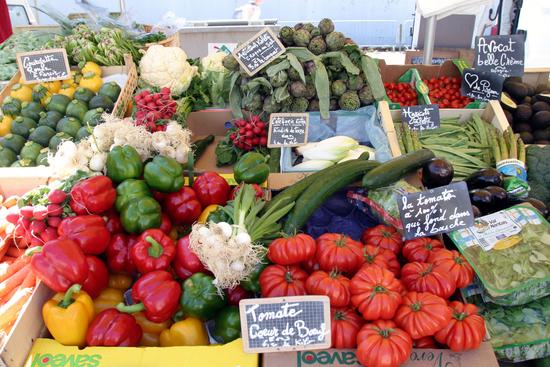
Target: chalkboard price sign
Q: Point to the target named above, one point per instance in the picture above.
(480, 85)
(287, 129)
(502, 55)
(259, 51)
(283, 324)
(44, 66)
(436, 211)
(422, 117)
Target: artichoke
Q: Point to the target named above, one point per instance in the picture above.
(286, 34)
(299, 105)
(365, 96)
(310, 91)
(297, 89)
(286, 104)
(335, 41)
(298, 26)
(338, 87)
(279, 79)
(293, 74)
(313, 105)
(230, 63)
(317, 45)
(326, 26)
(301, 38)
(355, 82)
(270, 105)
(315, 32)
(335, 64)
(253, 104)
(349, 101)
(308, 27)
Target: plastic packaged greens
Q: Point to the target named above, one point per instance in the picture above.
(510, 252)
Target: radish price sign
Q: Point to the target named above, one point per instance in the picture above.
(422, 117)
(480, 85)
(44, 66)
(287, 129)
(502, 55)
(259, 51)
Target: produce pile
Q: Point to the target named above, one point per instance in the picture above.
(21, 42)
(38, 118)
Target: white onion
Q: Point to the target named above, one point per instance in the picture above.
(225, 229)
(237, 265)
(204, 232)
(182, 152)
(97, 162)
(243, 239)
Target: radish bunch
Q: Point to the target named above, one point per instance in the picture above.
(250, 134)
(153, 109)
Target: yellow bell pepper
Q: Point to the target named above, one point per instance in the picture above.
(120, 281)
(151, 330)
(92, 81)
(68, 315)
(53, 86)
(67, 90)
(108, 298)
(206, 212)
(22, 92)
(5, 125)
(189, 331)
(91, 66)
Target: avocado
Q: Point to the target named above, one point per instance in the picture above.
(540, 106)
(509, 117)
(527, 137)
(514, 79)
(542, 87)
(541, 134)
(544, 96)
(523, 113)
(540, 120)
(507, 102)
(518, 91)
(526, 100)
(530, 90)
(522, 127)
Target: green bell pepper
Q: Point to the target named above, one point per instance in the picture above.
(251, 168)
(219, 215)
(252, 283)
(124, 163)
(164, 174)
(141, 214)
(227, 325)
(128, 190)
(7, 157)
(200, 297)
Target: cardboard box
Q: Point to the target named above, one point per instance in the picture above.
(484, 356)
(391, 73)
(440, 55)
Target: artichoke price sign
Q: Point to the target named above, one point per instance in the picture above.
(283, 324)
(259, 51)
(44, 65)
(287, 129)
(502, 55)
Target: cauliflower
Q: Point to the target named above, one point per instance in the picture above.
(167, 67)
(214, 62)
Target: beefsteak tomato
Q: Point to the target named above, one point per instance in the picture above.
(384, 236)
(282, 281)
(333, 285)
(424, 277)
(422, 314)
(382, 257)
(426, 342)
(382, 344)
(292, 250)
(376, 293)
(345, 325)
(466, 329)
(420, 249)
(451, 261)
(339, 252)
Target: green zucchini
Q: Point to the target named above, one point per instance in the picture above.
(42, 135)
(68, 125)
(14, 142)
(76, 109)
(274, 160)
(22, 126)
(58, 102)
(23, 163)
(93, 116)
(101, 101)
(11, 106)
(320, 190)
(58, 139)
(394, 170)
(30, 151)
(49, 119)
(42, 159)
(83, 94)
(111, 90)
(7, 157)
(201, 145)
(83, 132)
(31, 110)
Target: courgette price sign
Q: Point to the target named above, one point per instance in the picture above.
(284, 324)
(44, 66)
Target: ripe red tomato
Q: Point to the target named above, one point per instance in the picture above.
(310, 265)
(339, 252)
(383, 236)
(466, 329)
(424, 277)
(292, 250)
(382, 257)
(333, 285)
(382, 344)
(376, 293)
(426, 342)
(345, 325)
(282, 281)
(422, 314)
(455, 264)
(419, 249)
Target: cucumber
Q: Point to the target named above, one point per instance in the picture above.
(201, 145)
(320, 190)
(274, 160)
(394, 170)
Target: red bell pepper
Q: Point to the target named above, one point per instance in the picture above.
(166, 224)
(111, 328)
(60, 263)
(118, 253)
(93, 195)
(88, 231)
(154, 250)
(98, 277)
(211, 188)
(182, 206)
(158, 295)
(186, 262)
(257, 188)
(113, 223)
(234, 295)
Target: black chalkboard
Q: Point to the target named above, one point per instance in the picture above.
(287, 129)
(480, 85)
(44, 66)
(435, 211)
(259, 51)
(285, 324)
(418, 60)
(502, 55)
(422, 117)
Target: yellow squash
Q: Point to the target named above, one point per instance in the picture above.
(53, 87)
(22, 92)
(67, 90)
(5, 125)
(91, 66)
(92, 81)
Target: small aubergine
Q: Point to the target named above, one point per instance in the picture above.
(483, 200)
(499, 197)
(437, 172)
(483, 178)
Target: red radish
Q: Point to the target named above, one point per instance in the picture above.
(49, 234)
(13, 215)
(257, 130)
(263, 140)
(54, 221)
(37, 226)
(255, 140)
(36, 241)
(26, 211)
(24, 222)
(249, 134)
(40, 212)
(57, 196)
(260, 125)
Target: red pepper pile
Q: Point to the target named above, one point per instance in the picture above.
(445, 91)
(402, 93)
(374, 300)
(153, 108)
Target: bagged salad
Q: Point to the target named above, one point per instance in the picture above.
(510, 253)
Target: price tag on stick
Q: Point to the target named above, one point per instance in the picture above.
(285, 324)
(480, 85)
(436, 211)
(423, 117)
(44, 65)
(259, 51)
(287, 129)
(502, 55)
